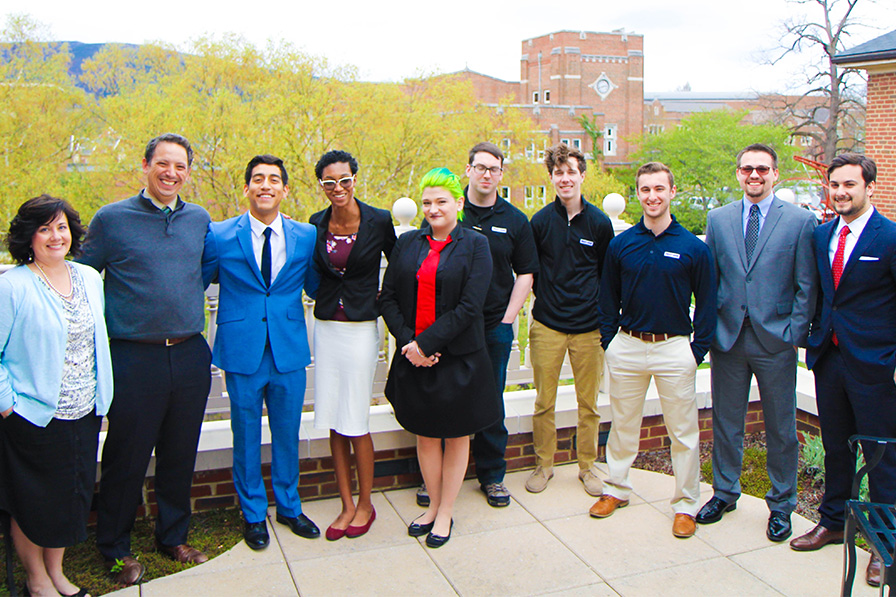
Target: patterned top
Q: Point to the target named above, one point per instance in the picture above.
(339, 247)
(77, 394)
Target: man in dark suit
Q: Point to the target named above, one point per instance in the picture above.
(262, 262)
(852, 345)
(762, 248)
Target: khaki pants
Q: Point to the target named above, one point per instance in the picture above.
(631, 363)
(547, 348)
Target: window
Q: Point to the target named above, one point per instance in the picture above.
(547, 96)
(656, 110)
(505, 193)
(505, 146)
(540, 194)
(529, 193)
(577, 144)
(534, 97)
(530, 151)
(565, 142)
(610, 132)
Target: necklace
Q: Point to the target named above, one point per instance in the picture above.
(50, 284)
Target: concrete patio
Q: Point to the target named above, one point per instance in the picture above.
(541, 544)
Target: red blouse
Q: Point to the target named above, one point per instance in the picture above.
(426, 284)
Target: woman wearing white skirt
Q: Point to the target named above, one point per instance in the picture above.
(351, 236)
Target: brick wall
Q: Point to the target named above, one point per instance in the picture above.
(880, 138)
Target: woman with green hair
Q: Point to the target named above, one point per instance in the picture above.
(440, 384)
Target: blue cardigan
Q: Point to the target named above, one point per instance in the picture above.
(33, 336)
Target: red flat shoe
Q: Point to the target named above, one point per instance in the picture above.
(352, 532)
(333, 533)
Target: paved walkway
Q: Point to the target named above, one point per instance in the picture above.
(541, 544)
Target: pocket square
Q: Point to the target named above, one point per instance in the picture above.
(868, 258)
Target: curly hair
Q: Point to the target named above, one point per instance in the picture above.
(335, 156)
(33, 214)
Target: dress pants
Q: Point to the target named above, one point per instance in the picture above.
(547, 348)
(631, 363)
(284, 395)
(159, 402)
(490, 444)
(775, 374)
(847, 406)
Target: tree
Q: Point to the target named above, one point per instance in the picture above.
(836, 123)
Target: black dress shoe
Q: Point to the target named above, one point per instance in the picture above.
(435, 541)
(778, 526)
(713, 510)
(418, 530)
(301, 525)
(256, 535)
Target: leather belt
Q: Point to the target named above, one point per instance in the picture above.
(165, 341)
(648, 336)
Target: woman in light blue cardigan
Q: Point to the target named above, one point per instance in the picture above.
(55, 387)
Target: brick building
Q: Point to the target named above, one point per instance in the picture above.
(878, 58)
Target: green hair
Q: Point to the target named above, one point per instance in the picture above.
(445, 178)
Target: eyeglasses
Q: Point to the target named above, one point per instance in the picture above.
(346, 183)
(494, 170)
(748, 170)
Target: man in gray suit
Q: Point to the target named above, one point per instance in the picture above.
(762, 248)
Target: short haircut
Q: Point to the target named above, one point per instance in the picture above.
(335, 156)
(487, 147)
(266, 158)
(869, 168)
(653, 168)
(560, 154)
(759, 147)
(35, 213)
(445, 178)
(168, 138)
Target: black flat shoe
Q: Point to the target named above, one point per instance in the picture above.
(301, 525)
(418, 530)
(779, 527)
(435, 541)
(82, 593)
(256, 535)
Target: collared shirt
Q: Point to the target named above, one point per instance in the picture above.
(651, 279)
(855, 231)
(570, 256)
(512, 247)
(278, 243)
(764, 206)
(158, 204)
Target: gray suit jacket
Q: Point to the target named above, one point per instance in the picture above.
(778, 288)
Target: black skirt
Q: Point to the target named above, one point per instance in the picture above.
(453, 398)
(47, 477)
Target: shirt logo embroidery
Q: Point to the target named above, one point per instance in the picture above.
(586, 242)
(672, 255)
(499, 230)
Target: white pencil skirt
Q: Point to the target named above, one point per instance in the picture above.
(345, 355)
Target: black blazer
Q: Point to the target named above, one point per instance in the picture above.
(462, 280)
(358, 286)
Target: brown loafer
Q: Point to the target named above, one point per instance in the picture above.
(816, 539)
(872, 573)
(182, 553)
(684, 526)
(606, 505)
(126, 570)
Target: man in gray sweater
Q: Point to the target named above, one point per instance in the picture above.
(150, 248)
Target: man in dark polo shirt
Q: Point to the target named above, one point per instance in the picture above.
(651, 338)
(571, 236)
(513, 252)
(150, 248)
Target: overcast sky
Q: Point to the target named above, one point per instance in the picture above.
(715, 45)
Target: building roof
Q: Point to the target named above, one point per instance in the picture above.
(879, 48)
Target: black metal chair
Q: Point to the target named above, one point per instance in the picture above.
(875, 522)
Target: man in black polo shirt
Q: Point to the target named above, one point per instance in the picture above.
(651, 271)
(571, 236)
(513, 252)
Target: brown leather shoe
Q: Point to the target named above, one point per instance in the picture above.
(126, 570)
(684, 526)
(872, 573)
(816, 539)
(182, 553)
(606, 505)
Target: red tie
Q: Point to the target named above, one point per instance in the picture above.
(837, 266)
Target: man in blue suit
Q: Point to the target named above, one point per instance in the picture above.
(262, 262)
(852, 344)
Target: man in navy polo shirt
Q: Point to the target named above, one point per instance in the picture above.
(645, 331)
(571, 236)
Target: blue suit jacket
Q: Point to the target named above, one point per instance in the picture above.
(249, 313)
(863, 308)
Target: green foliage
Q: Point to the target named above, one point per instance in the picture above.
(813, 453)
(753, 478)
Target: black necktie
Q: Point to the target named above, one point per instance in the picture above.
(266, 258)
(752, 231)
